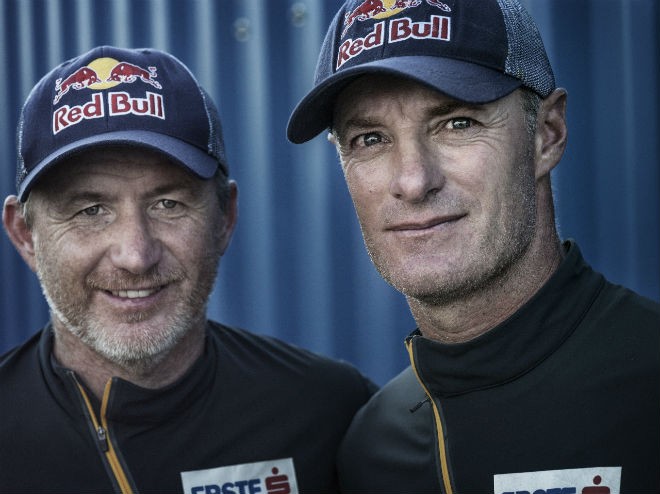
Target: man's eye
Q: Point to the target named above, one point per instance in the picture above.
(459, 123)
(92, 210)
(168, 203)
(370, 139)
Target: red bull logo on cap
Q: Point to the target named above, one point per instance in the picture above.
(126, 72)
(437, 27)
(81, 78)
(379, 9)
(106, 73)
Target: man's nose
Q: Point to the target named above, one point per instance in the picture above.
(134, 248)
(417, 172)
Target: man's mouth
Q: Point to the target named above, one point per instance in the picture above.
(422, 225)
(134, 293)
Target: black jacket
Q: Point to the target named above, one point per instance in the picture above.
(570, 382)
(248, 399)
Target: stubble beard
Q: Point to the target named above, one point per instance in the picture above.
(478, 269)
(138, 348)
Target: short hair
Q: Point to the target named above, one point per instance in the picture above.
(531, 102)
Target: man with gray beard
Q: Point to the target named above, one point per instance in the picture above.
(123, 210)
(529, 371)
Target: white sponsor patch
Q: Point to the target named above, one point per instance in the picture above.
(603, 480)
(263, 477)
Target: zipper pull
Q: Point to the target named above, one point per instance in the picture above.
(103, 438)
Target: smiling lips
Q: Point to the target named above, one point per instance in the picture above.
(134, 293)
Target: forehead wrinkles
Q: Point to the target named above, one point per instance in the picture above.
(376, 99)
(361, 101)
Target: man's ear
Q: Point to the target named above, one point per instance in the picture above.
(551, 132)
(18, 231)
(230, 216)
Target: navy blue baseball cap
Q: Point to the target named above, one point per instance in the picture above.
(114, 96)
(475, 51)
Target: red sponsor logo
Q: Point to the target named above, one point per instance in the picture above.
(121, 103)
(118, 103)
(104, 73)
(353, 47)
(366, 10)
(399, 29)
(81, 78)
(438, 27)
(128, 73)
(369, 9)
(66, 115)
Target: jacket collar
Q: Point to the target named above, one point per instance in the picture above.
(129, 403)
(518, 344)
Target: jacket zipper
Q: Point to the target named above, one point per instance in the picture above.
(444, 464)
(104, 441)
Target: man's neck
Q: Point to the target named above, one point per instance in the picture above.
(470, 316)
(95, 370)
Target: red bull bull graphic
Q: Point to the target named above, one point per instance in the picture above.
(81, 78)
(366, 10)
(378, 9)
(126, 72)
(106, 73)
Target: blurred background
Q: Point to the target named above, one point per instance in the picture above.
(297, 268)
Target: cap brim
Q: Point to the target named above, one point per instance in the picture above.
(188, 156)
(457, 79)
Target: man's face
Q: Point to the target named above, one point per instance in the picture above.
(444, 191)
(126, 249)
